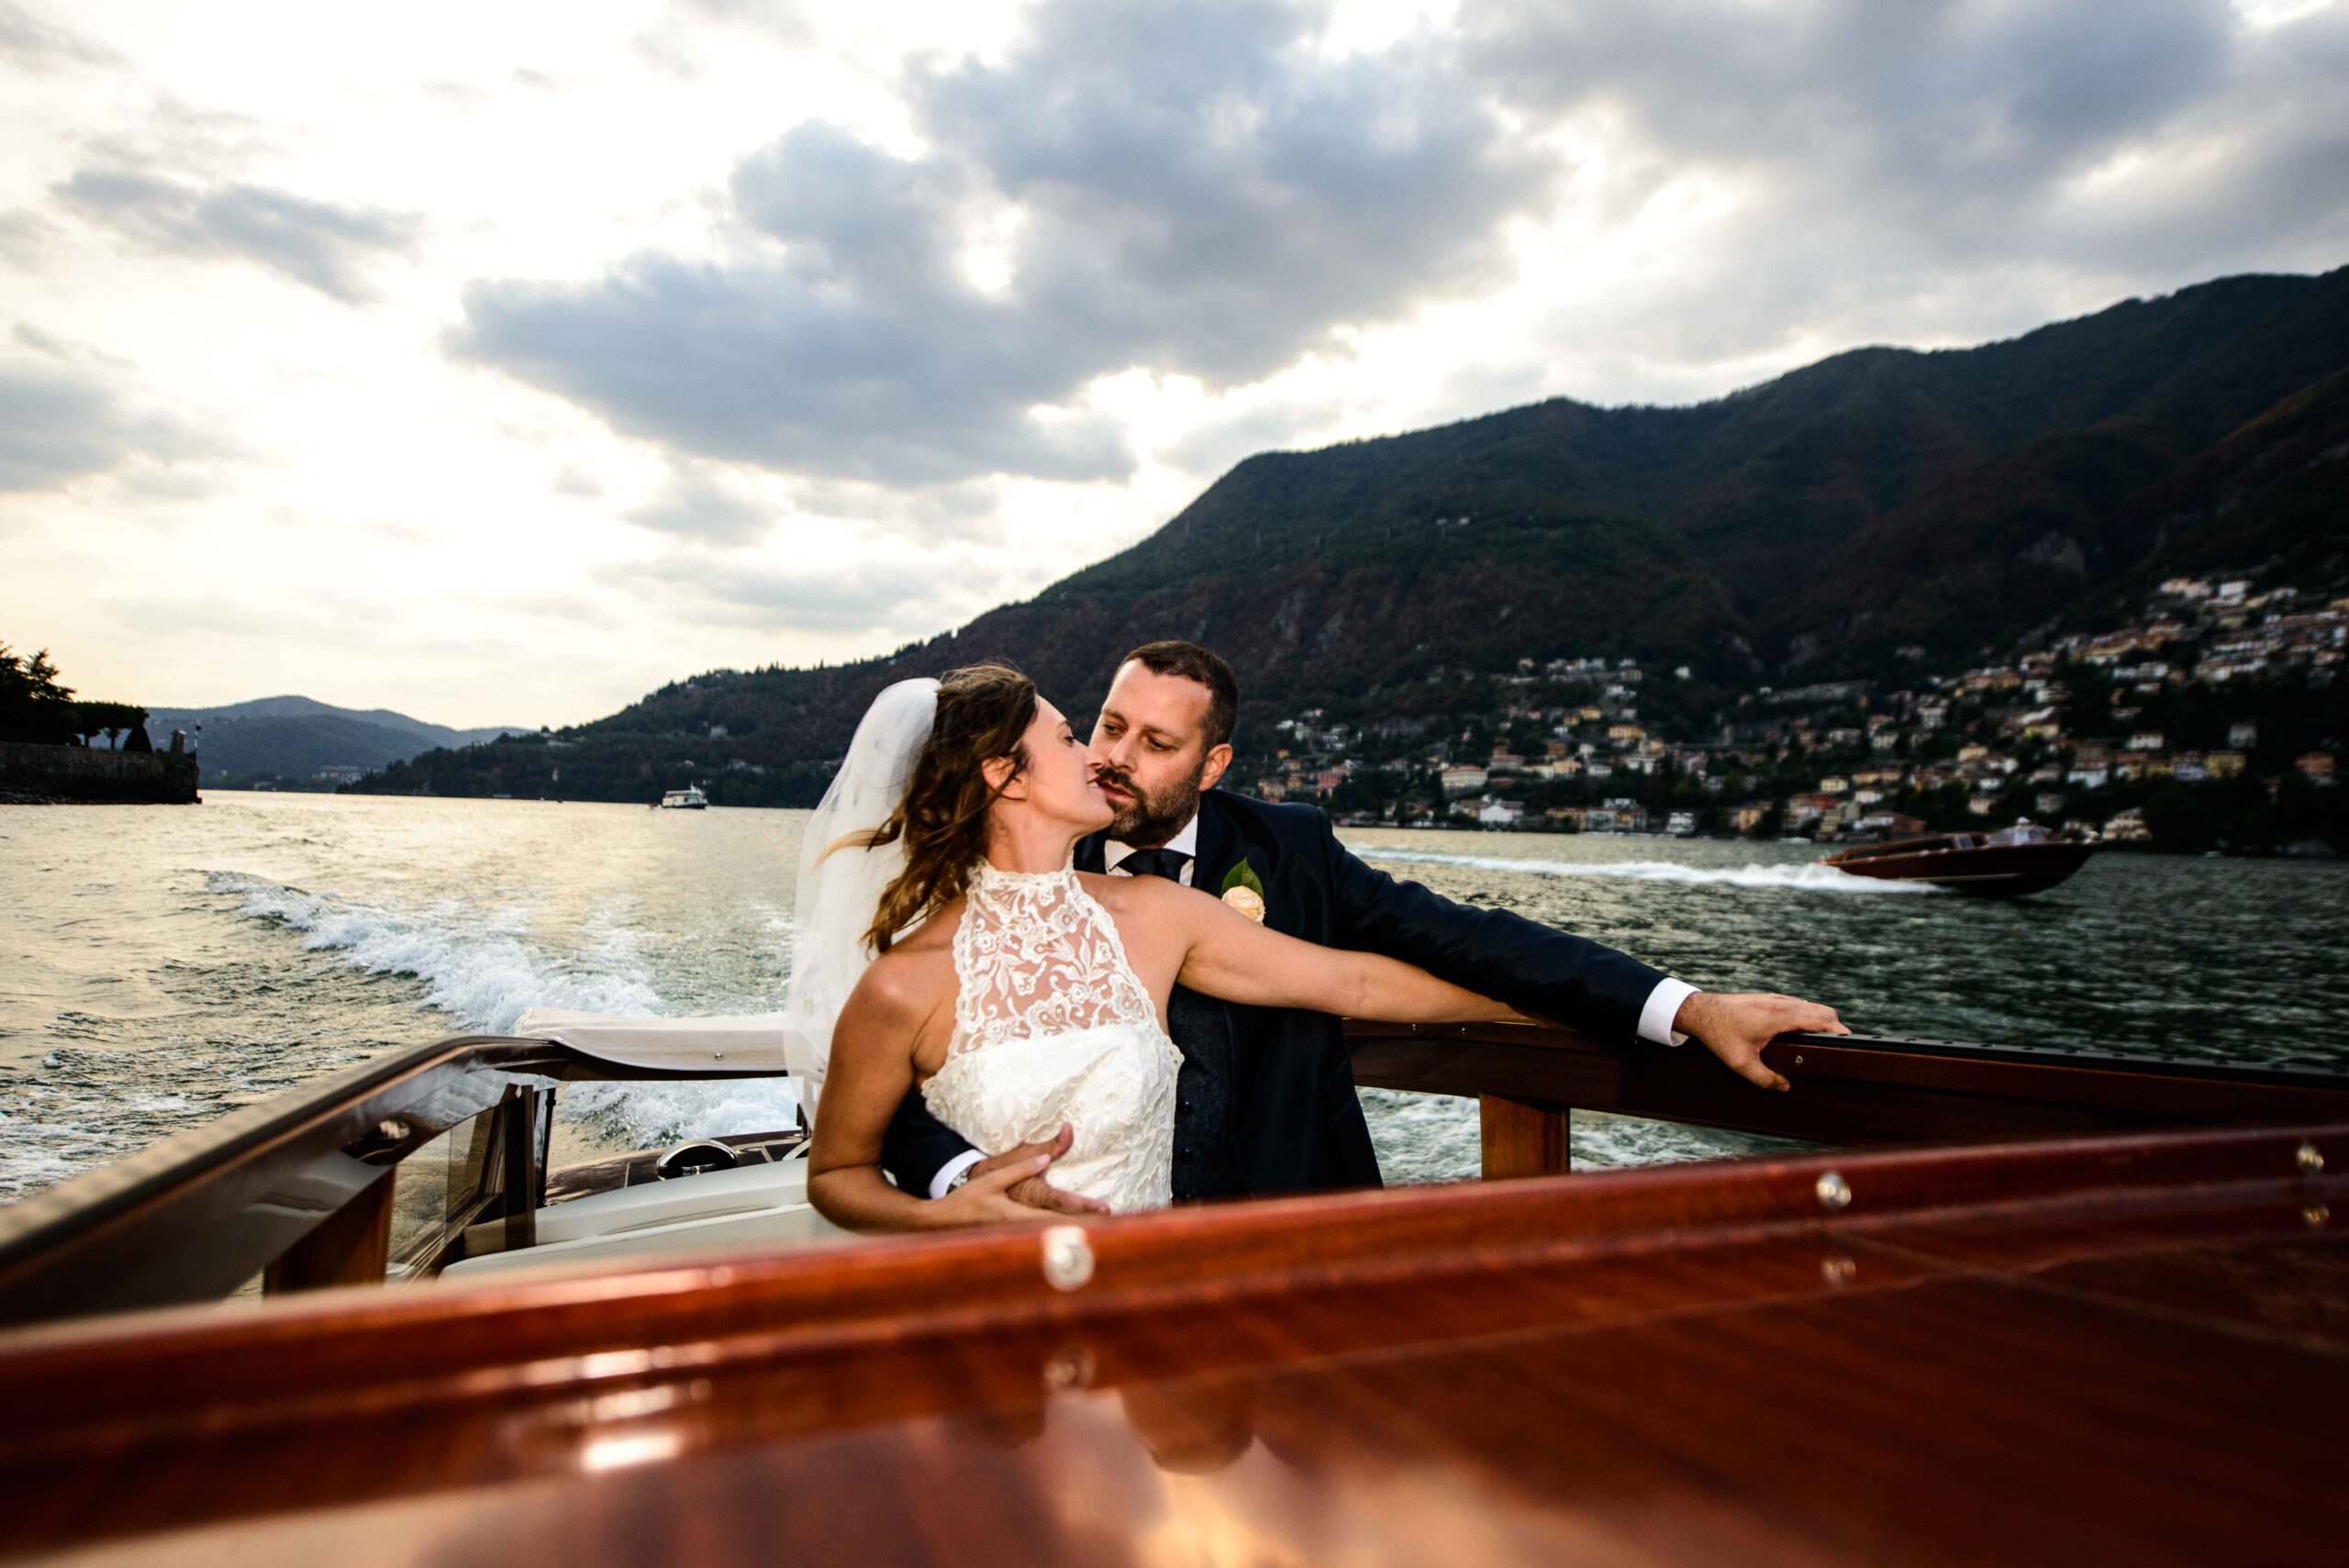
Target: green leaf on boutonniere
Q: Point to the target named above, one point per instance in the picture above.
(1242, 876)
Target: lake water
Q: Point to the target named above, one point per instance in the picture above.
(160, 965)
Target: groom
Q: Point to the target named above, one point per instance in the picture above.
(1266, 1102)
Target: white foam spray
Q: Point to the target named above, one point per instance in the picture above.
(1808, 878)
(479, 967)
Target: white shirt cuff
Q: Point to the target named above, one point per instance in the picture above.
(1663, 1007)
(955, 1167)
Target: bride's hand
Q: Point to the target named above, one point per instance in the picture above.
(986, 1199)
(1035, 1191)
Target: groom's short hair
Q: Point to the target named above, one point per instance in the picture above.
(1193, 662)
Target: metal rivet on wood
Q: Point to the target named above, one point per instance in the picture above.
(1069, 1367)
(2311, 1160)
(1834, 1191)
(1068, 1257)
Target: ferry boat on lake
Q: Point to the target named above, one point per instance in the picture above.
(2006, 1304)
(689, 798)
(2025, 858)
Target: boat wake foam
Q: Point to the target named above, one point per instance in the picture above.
(1808, 877)
(474, 966)
(478, 968)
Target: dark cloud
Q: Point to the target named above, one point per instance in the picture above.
(1197, 190)
(328, 248)
(61, 423)
(1939, 109)
(31, 44)
(1206, 190)
(1208, 193)
(695, 508)
(755, 363)
(1927, 171)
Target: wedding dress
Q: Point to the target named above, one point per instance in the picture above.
(1050, 1025)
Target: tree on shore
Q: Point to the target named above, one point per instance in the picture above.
(31, 701)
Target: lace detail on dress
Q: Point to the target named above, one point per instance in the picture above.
(1037, 954)
(1051, 1025)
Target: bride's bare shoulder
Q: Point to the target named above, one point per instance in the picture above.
(911, 980)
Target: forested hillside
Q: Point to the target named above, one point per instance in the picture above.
(1881, 505)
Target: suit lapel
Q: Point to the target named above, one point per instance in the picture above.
(1218, 848)
(1091, 855)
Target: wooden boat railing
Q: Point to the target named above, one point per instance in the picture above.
(299, 1191)
(1850, 1091)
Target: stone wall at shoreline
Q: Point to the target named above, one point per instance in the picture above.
(86, 774)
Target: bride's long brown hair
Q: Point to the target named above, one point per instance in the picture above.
(984, 712)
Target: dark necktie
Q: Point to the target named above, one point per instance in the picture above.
(1206, 1151)
(1168, 863)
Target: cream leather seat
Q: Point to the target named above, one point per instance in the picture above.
(765, 1203)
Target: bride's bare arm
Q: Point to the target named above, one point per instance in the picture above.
(1232, 957)
(872, 1070)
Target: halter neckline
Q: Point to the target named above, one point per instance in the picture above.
(991, 877)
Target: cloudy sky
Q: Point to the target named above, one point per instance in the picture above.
(497, 362)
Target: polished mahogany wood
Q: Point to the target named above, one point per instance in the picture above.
(193, 1217)
(2110, 1350)
(1846, 1090)
(352, 1246)
(1520, 1139)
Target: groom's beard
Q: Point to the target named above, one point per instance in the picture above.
(1147, 820)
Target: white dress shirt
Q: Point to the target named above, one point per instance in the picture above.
(1185, 843)
(1655, 1015)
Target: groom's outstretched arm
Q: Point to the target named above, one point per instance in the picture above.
(1548, 974)
(1552, 974)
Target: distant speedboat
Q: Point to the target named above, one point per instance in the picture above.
(687, 799)
(2025, 858)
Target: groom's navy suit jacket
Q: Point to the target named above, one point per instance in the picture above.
(1293, 1123)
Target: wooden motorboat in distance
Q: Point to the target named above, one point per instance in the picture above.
(2023, 859)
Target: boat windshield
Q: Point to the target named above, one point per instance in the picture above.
(2024, 831)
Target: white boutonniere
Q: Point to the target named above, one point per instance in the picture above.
(1245, 891)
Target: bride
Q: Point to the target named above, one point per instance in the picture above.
(947, 941)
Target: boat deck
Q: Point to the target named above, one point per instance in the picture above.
(2129, 1349)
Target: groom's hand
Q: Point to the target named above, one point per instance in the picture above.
(1735, 1026)
(1035, 1191)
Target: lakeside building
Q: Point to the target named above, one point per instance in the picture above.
(1616, 817)
(1463, 778)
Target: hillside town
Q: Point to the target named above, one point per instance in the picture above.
(2207, 719)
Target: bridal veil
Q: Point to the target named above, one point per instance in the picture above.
(840, 887)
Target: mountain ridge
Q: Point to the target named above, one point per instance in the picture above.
(289, 738)
(1816, 524)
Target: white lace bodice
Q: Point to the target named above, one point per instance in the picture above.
(1051, 1025)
